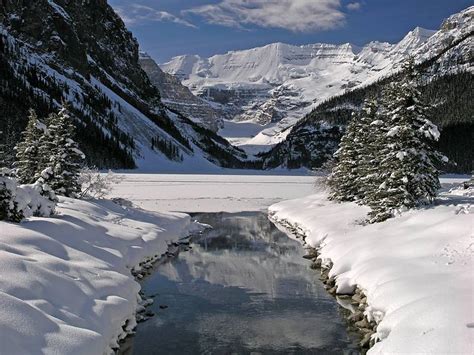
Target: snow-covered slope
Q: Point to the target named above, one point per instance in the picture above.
(278, 84)
(446, 61)
(66, 285)
(281, 82)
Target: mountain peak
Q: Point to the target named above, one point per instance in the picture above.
(421, 32)
(144, 55)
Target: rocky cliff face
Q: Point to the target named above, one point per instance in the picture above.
(86, 35)
(80, 52)
(178, 97)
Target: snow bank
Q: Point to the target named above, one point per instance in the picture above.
(416, 270)
(65, 282)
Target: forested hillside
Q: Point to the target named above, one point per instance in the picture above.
(81, 54)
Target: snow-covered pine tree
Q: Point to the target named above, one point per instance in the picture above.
(65, 156)
(9, 208)
(355, 157)
(27, 151)
(6, 184)
(408, 175)
(371, 130)
(341, 180)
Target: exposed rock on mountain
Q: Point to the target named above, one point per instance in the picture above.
(178, 97)
(277, 85)
(281, 83)
(80, 52)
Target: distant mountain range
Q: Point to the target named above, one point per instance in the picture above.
(446, 61)
(132, 113)
(277, 85)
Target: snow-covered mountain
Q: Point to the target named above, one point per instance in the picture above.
(276, 85)
(446, 60)
(80, 53)
(178, 97)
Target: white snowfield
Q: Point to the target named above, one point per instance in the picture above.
(65, 283)
(417, 270)
(212, 192)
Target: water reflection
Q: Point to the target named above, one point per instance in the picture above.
(243, 288)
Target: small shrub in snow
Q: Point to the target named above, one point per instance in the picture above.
(96, 185)
(323, 174)
(18, 202)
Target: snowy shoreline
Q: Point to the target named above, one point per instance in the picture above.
(67, 283)
(406, 268)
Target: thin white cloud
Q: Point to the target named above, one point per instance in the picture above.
(293, 15)
(353, 6)
(137, 14)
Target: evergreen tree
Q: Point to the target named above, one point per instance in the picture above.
(341, 180)
(369, 136)
(45, 151)
(27, 151)
(9, 209)
(407, 172)
(355, 157)
(2, 154)
(65, 155)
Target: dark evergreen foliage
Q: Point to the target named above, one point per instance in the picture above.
(28, 158)
(65, 157)
(451, 108)
(387, 158)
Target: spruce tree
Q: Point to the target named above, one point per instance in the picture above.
(367, 141)
(5, 195)
(27, 151)
(65, 155)
(9, 209)
(355, 157)
(341, 180)
(408, 175)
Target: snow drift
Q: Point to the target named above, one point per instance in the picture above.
(66, 285)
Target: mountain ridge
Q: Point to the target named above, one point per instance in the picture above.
(277, 84)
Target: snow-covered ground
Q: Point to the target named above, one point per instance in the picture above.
(65, 283)
(211, 193)
(416, 270)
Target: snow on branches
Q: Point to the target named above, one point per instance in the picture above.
(48, 162)
(386, 159)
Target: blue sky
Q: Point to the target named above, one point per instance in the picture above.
(166, 28)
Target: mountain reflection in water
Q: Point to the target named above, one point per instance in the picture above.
(243, 288)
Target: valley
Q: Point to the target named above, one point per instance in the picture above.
(236, 176)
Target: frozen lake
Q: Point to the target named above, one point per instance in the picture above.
(211, 193)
